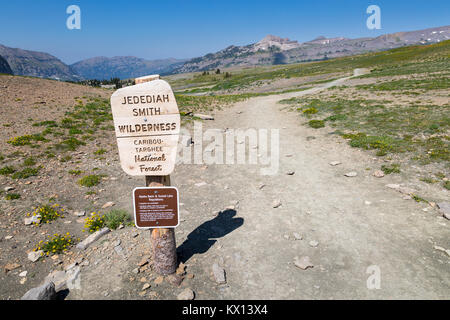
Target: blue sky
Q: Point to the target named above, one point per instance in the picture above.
(188, 28)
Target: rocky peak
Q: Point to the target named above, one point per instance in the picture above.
(275, 41)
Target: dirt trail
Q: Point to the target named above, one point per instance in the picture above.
(357, 221)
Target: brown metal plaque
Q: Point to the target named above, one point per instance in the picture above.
(156, 207)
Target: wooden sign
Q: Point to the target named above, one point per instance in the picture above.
(147, 126)
(156, 207)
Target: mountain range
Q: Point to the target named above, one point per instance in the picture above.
(271, 50)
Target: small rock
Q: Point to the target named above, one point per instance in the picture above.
(447, 251)
(276, 203)
(186, 294)
(9, 237)
(92, 238)
(313, 243)
(143, 262)
(23, 274)
(73, 277)
(351, 174)
(444, 209)
(32, 220)
(44, 292)
(219, 274)
(9, 189)
(290, 173)
(378, 174)
(108, 205)
(58, 278)
(117, 243)
(120, 251)
(407, 191)
(174, 279)
(367, 203)
(23, 280)
(80, 213)
(297, 236)
(34, 256)
(11, 266)
(70, 266)
(146, 286)
(261, 186)
(159, 280)
(303, 263)
(393, 186)
(201, 184)
(335, 163)
(203, 116)
(181, 269)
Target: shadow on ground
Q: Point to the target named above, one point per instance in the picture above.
(203, 237)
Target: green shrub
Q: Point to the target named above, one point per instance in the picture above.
(25, 173)
(12, 196)
(447, 185)
(311, 110)
(75, 172)
(394, 168)
(382, 143)
(65, 158)
(73, 143)
(90, 180)
(21, 141)
(28, 162)
(7, 170)
(418, 199)
(74, 131)
(100, 152)
(316, 124)
(116, 217)
(336, 117)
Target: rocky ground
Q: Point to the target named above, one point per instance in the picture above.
(314, 230)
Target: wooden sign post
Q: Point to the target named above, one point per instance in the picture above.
(147, 126)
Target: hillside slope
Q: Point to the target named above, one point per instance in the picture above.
(36, 64)
(274, 50)
(122, 67)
